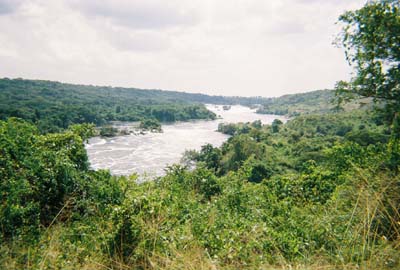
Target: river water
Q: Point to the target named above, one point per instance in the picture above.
(149, 154)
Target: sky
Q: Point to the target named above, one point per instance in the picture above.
(219, 47)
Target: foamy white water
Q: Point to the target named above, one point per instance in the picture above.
(149, 154)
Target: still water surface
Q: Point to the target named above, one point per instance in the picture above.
(149, 154)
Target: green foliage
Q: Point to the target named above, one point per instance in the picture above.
(85, 131)
(42, 175)
(210, 156)
(318, 190)
(204, 183)
(275, 125)
(307, 191)
(394, 145)
(108, 131)
(296, 104)
(241, 128)
(313, 102)
(257, 170)
(229, 129)
(238, 149)
(371, 40)
(54, 106)
(150, 124)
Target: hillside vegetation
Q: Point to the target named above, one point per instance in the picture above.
(54, 106)
(320, 101)
(317, 191)
(296, 104)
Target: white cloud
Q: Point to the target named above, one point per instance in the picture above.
(139, 14)
(240, 47)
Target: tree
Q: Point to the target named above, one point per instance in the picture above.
(39, 174)
(211, 156)
(371, 39)
(275, 125)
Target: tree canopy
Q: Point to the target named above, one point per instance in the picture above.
(371, 39)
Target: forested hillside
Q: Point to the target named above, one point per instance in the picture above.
(320, 101)
(54, 106)
(312, 102)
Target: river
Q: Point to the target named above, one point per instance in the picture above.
(149, 154)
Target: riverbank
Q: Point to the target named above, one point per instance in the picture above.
(151, 153)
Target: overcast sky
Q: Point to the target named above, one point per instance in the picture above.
(229, 47)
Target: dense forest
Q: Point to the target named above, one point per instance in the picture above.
(321, 191)
(53, 106)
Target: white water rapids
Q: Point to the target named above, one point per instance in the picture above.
(149, 154)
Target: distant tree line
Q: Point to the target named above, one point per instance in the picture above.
(54, 106)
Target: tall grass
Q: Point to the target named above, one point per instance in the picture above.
(157, 227)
